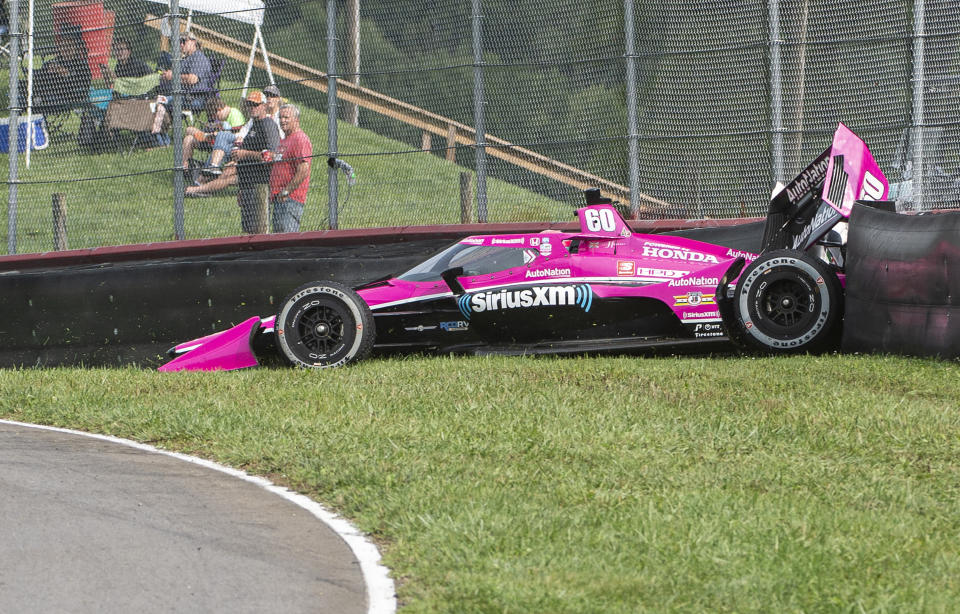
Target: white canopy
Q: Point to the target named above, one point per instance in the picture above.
(247, 11)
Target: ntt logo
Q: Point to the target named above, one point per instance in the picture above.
(580, 295)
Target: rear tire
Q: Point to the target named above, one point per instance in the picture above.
(786, 302)
(324, 324)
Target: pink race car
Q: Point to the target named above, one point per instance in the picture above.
(602, 288)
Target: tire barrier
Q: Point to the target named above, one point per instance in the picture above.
(903, 283)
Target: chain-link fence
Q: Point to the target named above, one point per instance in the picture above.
(677, 108)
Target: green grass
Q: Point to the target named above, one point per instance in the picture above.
(414, 188)
(808, 484)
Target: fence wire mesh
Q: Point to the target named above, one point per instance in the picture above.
(730, 98)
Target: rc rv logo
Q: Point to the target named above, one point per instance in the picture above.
(580, 295)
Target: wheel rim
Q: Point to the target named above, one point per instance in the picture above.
(786, 303)
(322, 329)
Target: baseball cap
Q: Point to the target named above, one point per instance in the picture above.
(272, 90)
(255, 97)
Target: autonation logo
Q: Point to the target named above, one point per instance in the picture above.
(580, 295)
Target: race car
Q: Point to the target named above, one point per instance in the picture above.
(602, 288)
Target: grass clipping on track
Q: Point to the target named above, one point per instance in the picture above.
(588, 484)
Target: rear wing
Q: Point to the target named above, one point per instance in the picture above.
(823, 193)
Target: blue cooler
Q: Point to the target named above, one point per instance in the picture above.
(40, 137)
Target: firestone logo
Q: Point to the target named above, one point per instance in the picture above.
(672, 253)
(548, 273)
(580, 295)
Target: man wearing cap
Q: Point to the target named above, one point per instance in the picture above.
(290, 175)
(253, 170)
(196, 75)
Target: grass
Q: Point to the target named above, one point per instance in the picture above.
(807, 484)
(126, 206)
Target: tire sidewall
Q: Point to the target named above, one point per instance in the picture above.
(824, 295)
(314, 295)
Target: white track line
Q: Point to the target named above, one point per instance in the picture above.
(381, 593)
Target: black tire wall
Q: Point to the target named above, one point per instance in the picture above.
(903, 283)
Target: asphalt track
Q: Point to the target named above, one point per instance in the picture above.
(97, 524)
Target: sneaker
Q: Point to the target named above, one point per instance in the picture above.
(212, 171)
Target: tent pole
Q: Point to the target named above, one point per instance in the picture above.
(263, 50)
(253, 53)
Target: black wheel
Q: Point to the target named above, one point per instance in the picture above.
(787, 302)
(324, 325)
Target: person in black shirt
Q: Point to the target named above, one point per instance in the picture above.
(64, 81)
(253, 158)
(127, 65)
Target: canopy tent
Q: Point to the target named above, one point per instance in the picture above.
(245, 11)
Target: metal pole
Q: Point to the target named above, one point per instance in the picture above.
(776, 91)
(30, 136)
(332, 108)
(177, 112)
(13, 126)
(919, 32)
(478, 113)
(632, 128)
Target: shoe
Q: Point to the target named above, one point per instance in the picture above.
(212, 171)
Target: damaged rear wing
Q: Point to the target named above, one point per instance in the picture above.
(823, 193)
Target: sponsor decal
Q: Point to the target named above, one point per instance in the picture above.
(547, 273)
(824, 214)
(691, 315)
(694, 281)
(515, 241)
(645, 272)
(810, 176)
(419, 328)
(677, 253)
(736, 253)
(454, 326)
(626, 268)
(693, 299)
(872, 188)
(708, 329)
(580, 295)
(473, 240)
(534, 241)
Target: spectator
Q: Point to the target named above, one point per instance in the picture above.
(290, 175)
(196, 75)
(221, 177)
(253, 170)
(219, 132)
(65, 80)
(130, 76)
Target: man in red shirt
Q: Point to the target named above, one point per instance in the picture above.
(290, 175)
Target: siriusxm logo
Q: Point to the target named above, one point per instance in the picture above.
(580, 295)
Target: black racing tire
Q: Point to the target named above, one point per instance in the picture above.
(324, 324)
(787, 302)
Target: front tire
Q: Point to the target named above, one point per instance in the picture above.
(323, 325)
(786, 302)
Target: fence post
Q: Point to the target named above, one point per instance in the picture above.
(59, 222)
(919, 78)
(466, 198)
(332, 109)
(426, 141)
(13, 126)
(479, 102)
(451, 143)
(176, 111)
(632, 131)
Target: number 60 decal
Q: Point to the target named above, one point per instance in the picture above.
(600, 219)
